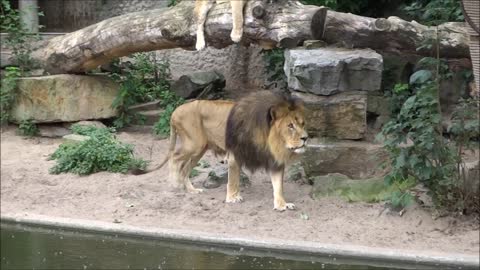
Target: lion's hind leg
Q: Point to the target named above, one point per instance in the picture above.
(176, 166)
(186, 175)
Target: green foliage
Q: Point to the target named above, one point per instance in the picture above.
(435, 12)
(274, 61)
(430, 12)
(27, 128)
(465, 124)
(169, 102)
(102, 152)
(173, 3)
(414, 136)
(333, 4)
(194, 173)
(400, 199)
(367, 190)
(19, 40)
(371, 8)
(8, 92)
(427, 158)
(143, 81)
(204, 164)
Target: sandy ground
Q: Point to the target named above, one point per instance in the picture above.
(148, 201)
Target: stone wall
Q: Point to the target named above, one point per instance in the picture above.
(71, 15)
(242, 67)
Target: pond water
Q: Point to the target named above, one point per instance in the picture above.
(27, 247)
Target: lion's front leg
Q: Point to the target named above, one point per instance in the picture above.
(233, 185)
(237, 15)
(278, 200)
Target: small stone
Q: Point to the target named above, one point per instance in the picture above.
(52, 131)
(96, 124)
(74, 138)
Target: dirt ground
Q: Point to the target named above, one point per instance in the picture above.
(148, 201)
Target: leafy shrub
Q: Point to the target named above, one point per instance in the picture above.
(414, 137)
(102, 152)
(143, 81)
(170, 102)
(19, 40)
(274, 61)
(8, 92)
(27, 128)
(371, 8)
(435, 12)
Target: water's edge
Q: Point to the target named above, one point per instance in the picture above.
(293, 249)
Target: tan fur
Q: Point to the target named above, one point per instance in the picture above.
(265, 130)
(202, 124)
(202, 7)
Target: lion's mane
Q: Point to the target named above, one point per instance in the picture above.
(249, 125)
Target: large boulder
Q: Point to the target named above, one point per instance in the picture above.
(327, 71)
(342, 116)
(353, 190)
(206, 84)
(64, 98)
(355, 159)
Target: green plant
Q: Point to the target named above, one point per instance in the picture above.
(194, 173)
(27, 128)
(19, 40)
(204, 164)
(435, 12)
(370, 8)
(333, 4)
(101, 152)
(170, 103)
(173, 3)
(143, 81)
(414, 137)
(427, 158)
(274, 61)
(8, 92)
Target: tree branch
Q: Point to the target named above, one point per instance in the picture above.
(282, 24)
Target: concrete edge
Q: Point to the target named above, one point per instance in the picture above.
(363, 253)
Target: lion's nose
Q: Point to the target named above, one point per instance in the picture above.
(304, 138)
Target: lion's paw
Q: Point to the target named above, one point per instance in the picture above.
(236, 36)
(284, 206)
(234, 199)
(200, 45)
(195, 190)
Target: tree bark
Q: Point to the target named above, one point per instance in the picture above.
(396, 35)
(285, 23)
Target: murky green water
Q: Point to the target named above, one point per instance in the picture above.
(26, 247)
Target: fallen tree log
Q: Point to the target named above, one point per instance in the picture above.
(280, 24)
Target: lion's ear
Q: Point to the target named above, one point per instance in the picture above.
(277, 112)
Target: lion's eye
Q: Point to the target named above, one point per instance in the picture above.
(290, 125)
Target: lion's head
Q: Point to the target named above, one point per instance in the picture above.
(266, 129)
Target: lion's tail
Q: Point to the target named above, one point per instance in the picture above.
(171, 148)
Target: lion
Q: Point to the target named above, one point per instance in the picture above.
(202, 7)
(264, 130)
